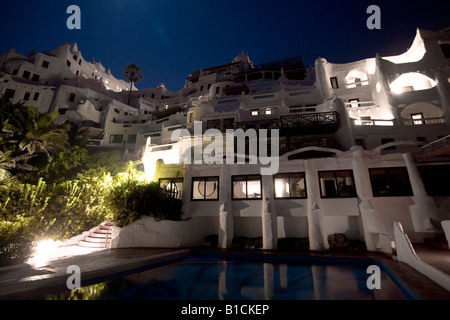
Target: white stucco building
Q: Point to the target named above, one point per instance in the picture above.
(359, 145)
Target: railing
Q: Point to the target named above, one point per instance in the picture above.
(327, 142)
(310, 119)
(425, 121)
(308, 122)
(259, 124)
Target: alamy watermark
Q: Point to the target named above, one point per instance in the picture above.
(74, 21)
(236, 147)
(374, 21)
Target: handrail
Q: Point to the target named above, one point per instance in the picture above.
(106, 239)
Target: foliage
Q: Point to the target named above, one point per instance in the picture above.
(16, 240)
(133, 74)
(132, 197)
(294, 244)
(28, 137)
(248, 243)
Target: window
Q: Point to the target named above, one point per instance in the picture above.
(131, 139)
(289, 185)
(72, 97)
(35, 78)
(173, 186)
(361, 142)
(116, 110)
(390, 182)
(246, 187)
(14, 72)
(75, 57)
(26, 74)
(79, 62)
(337, 184)
(445, 47)
(26, 96)
(334, 83)
(45, 64)
(217, 90)
(270, 110)
(9, 93)
(62, 110)
(36, 96)
(417, 118)
(205, 188)
(68, 63)
(254, 112)
(435, 179)
(354, 103)
(116, 138)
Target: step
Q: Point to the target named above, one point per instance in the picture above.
(95, 239)
(103, 230)
(83, 243)
(102, 235)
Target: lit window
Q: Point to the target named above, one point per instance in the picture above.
(270, 110)
(290, 185)
(246, 187)
(417, 118)
(390, 182)
(354, 103)
(173, 186)
(337, 184)
(254, 112)
(205, 188)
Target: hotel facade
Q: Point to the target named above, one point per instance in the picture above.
(357, 146)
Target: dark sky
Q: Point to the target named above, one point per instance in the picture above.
(171, 38)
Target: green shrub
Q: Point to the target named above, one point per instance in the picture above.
(130, 200)
(16, 241)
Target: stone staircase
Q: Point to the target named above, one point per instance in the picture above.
(100, 238)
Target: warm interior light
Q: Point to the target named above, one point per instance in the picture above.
(412, 81)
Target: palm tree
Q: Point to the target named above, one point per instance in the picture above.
(36, 134)
(133, 74)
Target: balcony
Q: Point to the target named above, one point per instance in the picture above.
(424, 121)
(294, 144)
(310, 123)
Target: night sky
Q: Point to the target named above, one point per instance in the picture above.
(171, 38)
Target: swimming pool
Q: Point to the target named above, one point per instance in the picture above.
(222, 276)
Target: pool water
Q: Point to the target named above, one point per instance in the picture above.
(206, 277)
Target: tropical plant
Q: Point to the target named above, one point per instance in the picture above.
(133, 74)
(28, 135)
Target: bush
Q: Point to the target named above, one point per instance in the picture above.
(130, 200)
(16, 241)
(248, 243)
(295, 244)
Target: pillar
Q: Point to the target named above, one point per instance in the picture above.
(268, 215)
(424, 208)
(315, 225)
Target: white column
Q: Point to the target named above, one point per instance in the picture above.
(268, 215)
(315, 227)
(367, 211)
(424, 208)
(226, 223)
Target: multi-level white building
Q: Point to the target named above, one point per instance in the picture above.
(359, 145)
